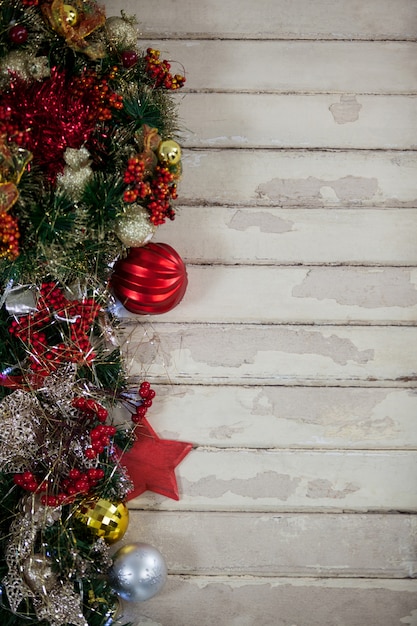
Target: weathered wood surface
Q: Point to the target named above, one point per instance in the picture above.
(204, 543)
(288, 295)
(294, 67)
(273, 236)
(375, 19)
(299, 121)
(232, 416)
(290, 363)
(245, 601)
(299, 178)
(272, 354)
(292, 480)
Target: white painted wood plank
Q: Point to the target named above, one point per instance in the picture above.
(304, 179)
(280, 544)
(375, 19)
(287, 417)
(271, 355)
(245, 601)
(291, 295)
(348, 121)
(270, 235)
(292, 480)
(343, 67)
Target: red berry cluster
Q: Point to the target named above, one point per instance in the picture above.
(147, 394)
(32, 329)
(30, 3)
(27, 480)
(98, 94)
(9, 237)
(159, 71)
(100, 434)
(77, 482)
(155, 194)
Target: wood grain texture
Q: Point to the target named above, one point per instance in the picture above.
(288, 295)
(293, 121)
(213, 544)
(295, 67)
(299, 178)
(272, 355)
(270, 235)
(292, 480)
(377, 19)
(233, 416)
(235, 601)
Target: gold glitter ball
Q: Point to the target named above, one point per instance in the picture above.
(121, 32)
(134, 228)
(169, 152)
(103, 518)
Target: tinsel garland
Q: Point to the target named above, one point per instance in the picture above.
(89, 165)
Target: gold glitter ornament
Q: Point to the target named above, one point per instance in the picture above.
(71, 14)
(121, 32)
(134, 228)
(169, 152)
(103, 518)
(38, 573)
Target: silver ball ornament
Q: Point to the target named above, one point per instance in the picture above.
(138, 572)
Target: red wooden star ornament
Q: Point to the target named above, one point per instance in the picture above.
(151, 462)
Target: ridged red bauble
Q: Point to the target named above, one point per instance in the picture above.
(151, 280)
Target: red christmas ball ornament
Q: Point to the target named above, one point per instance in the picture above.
(152, 279)
(18, 34)
(129, 58)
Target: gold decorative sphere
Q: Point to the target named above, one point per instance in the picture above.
(169, 152)
(71, 14)
(134, 227)
(103, 518)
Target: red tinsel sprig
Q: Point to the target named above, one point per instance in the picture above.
(75, 318)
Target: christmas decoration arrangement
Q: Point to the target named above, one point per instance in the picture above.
(89, 167)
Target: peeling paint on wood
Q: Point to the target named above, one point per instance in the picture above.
(262, 354)
(282, 480)
(241, 294)
(298, 156)
(271, 235)
(287, 417)
(284, 544)
(298, 121)
(301, 179)
(228, 601)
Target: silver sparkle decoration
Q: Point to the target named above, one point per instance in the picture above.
(138, 572)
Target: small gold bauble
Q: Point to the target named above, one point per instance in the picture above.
(38, 573)
(103, 518)
(70, 13)
(134, 228)
(169, 152)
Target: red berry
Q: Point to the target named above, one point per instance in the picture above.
(18, 34)
(141, 411)
(90, 453)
